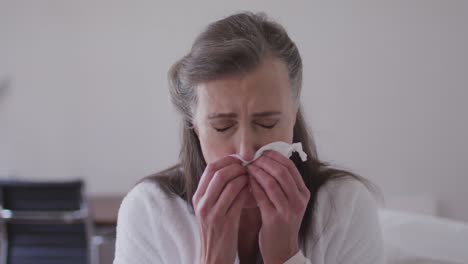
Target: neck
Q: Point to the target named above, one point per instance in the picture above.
(249, 227)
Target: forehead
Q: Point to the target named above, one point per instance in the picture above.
(265, 87)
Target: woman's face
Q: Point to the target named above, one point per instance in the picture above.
(240, 114)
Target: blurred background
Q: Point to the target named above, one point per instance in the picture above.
(83, 90)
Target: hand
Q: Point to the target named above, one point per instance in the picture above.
(218, 202)
(282, 198)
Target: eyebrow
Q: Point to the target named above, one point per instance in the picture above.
(233, 115)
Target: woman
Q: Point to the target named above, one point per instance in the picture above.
(237, 90)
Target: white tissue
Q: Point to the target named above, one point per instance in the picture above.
(283, 148)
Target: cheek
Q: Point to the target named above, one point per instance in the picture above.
(289, 129)
(213, 148)
(284, 133)
(290, 133)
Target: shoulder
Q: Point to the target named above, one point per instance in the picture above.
(140, 204)
(137, 224)
(145, 199)
(343, 186)
(343, 196)
(346, 221)
(142, 195)
(153, 226)
(343, 202)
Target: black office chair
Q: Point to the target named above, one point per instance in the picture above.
(45, 223)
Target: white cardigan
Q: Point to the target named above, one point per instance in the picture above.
(154, 228)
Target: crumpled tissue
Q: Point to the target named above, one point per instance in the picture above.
(281, 147)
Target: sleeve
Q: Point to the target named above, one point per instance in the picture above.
(299, 258)
(358, 240)
(134, 241)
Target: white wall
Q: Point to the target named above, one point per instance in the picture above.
(385, 88)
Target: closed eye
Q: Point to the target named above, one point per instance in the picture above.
(222, 129)
(268, 125)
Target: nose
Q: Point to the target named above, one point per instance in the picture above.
(246, 146)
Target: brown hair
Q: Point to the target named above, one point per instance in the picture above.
(236, 45)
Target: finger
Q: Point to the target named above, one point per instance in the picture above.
(270, 187)
(220, 180)
(281, 174)
(209, 172)
(236, 206)
(261, 197)
(291, 167)
(284, 178)
(230, 193)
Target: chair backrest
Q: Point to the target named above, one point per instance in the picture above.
(44, 222)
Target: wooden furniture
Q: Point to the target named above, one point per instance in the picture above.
(104, 209)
